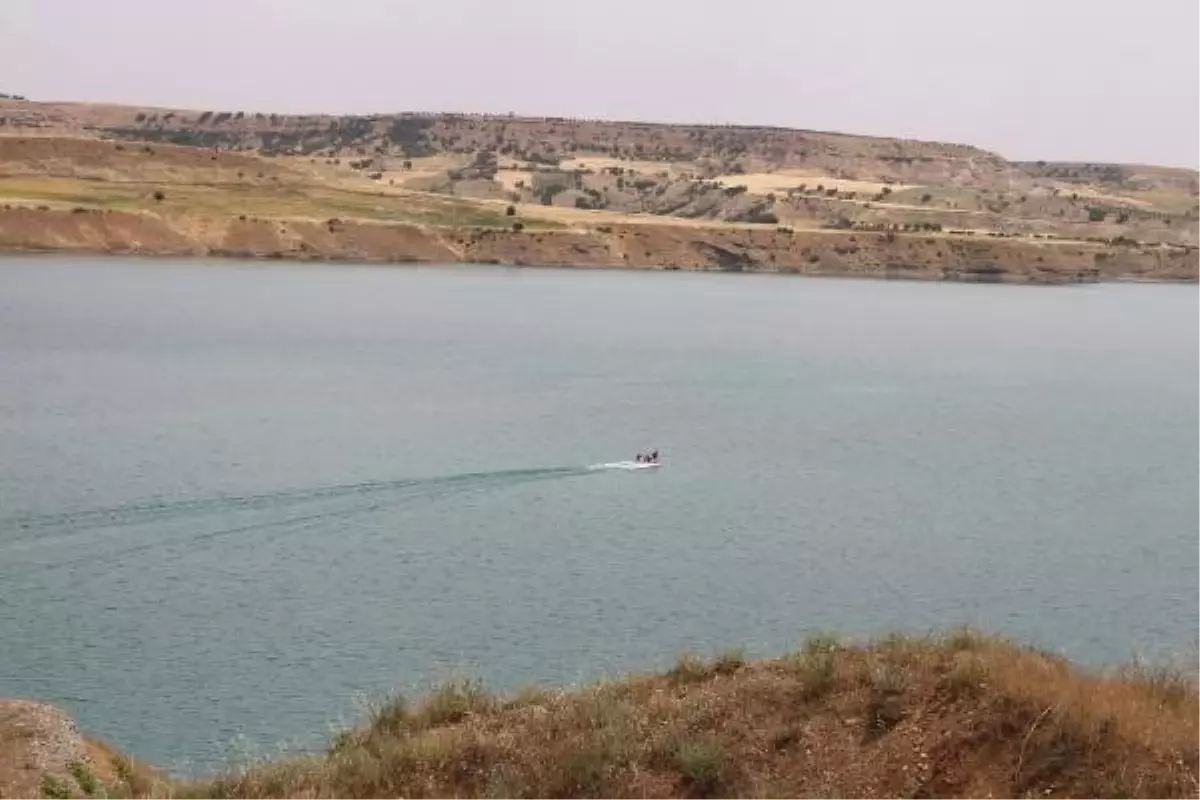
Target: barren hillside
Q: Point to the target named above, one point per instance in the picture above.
(924, 208)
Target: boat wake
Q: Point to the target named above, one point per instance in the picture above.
(625, 465)
(367, 495)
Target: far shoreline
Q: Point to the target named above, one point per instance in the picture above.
(73, 254)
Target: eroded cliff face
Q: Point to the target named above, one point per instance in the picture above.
(641, 246)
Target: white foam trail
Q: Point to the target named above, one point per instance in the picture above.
(622, 465)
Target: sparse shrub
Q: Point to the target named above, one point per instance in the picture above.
(815, 664)
(1096, 214)
(703, 766)
(159, 196)
(547, 193)
(518, 227)
(583, 772)
(728, 662)
(967, 677)
(136, 784)
(925, 198)
(451, 703)
(55, 788)
(784, 739)
(86, 781)
(963, 639)
(391, 717)
(885, 708)
(689, 668)
(511, 211)
(885, 191)
(1170, 685)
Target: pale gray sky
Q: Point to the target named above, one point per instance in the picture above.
(1087, 80)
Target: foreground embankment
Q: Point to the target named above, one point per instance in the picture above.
(925, 256)
(947, 716)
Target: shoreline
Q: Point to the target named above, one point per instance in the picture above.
(219, 260)
(649, 246)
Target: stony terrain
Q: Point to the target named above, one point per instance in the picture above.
(43, 753)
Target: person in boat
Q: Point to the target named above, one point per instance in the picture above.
(653, 459)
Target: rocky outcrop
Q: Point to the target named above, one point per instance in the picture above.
(37, 740)
(44, 754)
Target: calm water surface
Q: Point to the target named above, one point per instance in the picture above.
(233, 498)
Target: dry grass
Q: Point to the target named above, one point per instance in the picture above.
(780, 182)
(281, 202)
(955, 715)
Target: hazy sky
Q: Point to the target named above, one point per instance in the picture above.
(1101, 80)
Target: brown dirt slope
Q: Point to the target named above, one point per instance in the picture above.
(957, 715)
(145, 233)
(631, 246)
(91, 159)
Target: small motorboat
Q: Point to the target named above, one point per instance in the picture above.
(647, 459)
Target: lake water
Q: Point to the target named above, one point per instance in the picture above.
(236, 497)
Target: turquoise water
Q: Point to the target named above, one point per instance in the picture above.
(236, 497)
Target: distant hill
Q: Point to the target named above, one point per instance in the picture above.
(584, 175)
